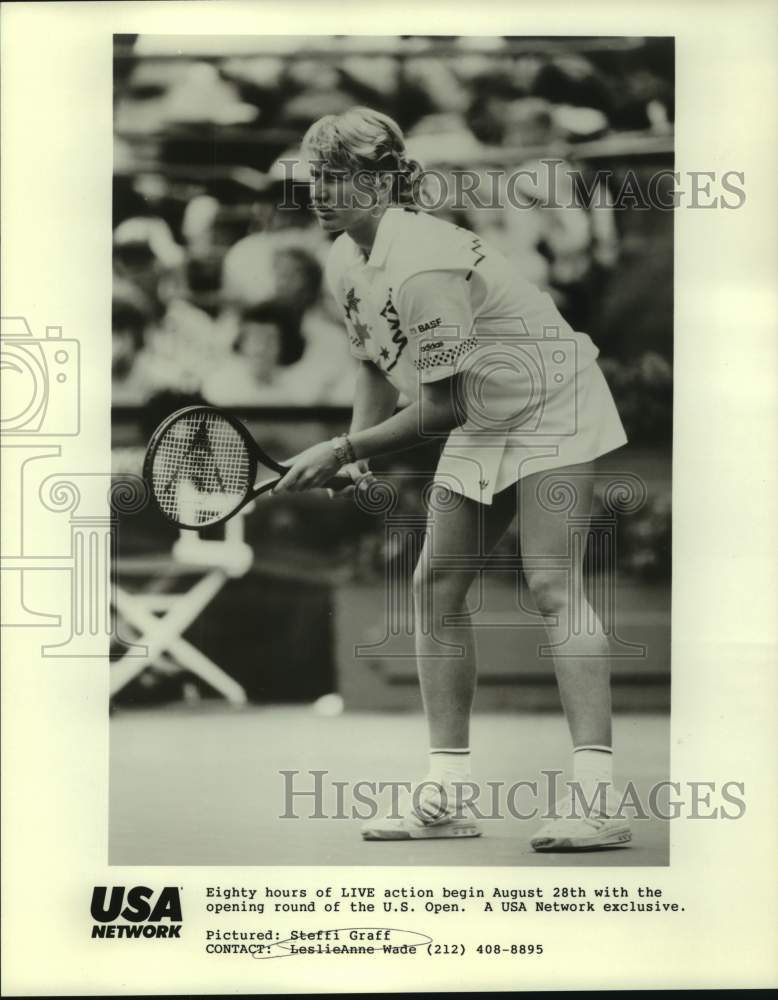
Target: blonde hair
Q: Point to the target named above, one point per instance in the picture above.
(361, 139)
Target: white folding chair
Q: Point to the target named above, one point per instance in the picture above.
(161, 619)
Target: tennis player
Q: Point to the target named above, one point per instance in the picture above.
(490, 365)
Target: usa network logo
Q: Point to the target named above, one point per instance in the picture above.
(140, 909)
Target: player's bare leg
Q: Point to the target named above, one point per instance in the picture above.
(583, 670)
(446, 658)
(581, 663)
(448, 682)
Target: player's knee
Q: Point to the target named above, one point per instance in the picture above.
(549, 591)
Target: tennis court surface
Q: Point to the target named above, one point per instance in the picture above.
(202, 785)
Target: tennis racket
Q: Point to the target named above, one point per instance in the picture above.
(203, 466)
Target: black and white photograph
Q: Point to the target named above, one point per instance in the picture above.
(433, 278)
(387, 403)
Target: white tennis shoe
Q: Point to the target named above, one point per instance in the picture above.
(575, 831)
(425, 815)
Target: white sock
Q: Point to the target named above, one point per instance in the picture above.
(593, 766)
(449, 764)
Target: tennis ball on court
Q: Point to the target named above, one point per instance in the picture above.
(329, 705)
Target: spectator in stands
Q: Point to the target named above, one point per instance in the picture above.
(572, 78)
(248, 273)
(261, 369)
(210, 230)
(146, 254)
(326, 368)
(179, 351)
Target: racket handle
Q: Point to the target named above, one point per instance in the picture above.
(339, 483)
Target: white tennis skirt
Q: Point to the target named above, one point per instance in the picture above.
(504, 440)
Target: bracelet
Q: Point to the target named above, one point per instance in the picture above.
(344, 450)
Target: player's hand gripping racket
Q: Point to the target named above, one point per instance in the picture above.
(203, 466)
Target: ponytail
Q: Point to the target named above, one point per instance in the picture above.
(408, 182)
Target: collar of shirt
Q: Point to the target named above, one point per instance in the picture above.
(387, 229)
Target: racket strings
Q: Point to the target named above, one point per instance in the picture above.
(201, 469)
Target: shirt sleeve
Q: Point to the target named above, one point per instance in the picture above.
(435, 309)
(334, 278)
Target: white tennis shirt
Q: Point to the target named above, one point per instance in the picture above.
(432, 300)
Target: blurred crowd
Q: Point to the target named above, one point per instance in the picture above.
(218, 290)
(244, 323)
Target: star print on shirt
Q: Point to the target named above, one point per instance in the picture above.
(362, 330)
(384, 354)
(352, 302)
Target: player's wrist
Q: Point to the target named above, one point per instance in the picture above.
(343, 449)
